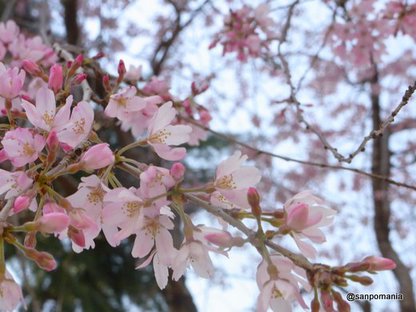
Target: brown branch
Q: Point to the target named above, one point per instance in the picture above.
(299, 161)
(382, 209)
(297, 259)
(71, 22)
(162, 50)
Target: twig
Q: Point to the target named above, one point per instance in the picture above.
(297, 259)
(299, 161)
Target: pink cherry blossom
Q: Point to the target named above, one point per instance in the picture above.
(13, 183)
(177, 171)
(278, 292)
(53, 222)
(305, 214)
(90, 196)
(22, 146)
(10, 293)
(122, 209)
(71, 128)
(97, 157)
(193, 253)
(232, 182)
(134, 73)
(11, 81)
(155, 233)
(123, 103)
(78, 127)
(8, 31)
(160, 269)
(44, 115)
(162, 134)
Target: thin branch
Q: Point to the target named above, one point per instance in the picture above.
(297, 259)
(299, 161)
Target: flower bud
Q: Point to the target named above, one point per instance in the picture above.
(43, 259)
(21, 203)
(363, 280)
(223, 239)
(254, 201)
(31, 68)
(341, 303)
(76, 236)
(56, 78)
(379, 263)
(177, 171)
(52, 141)
(79, 78)
(106, 83)
(54, 222)
(327, 301)
(121, 69)
(78, 60)
(97, 157)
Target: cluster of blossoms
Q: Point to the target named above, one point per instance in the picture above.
(49, 134)
(361, 38)
(246, 31)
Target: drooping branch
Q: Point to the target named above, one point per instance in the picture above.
(297, 259)
(299, 161)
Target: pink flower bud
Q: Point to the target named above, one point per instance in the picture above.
(54, 222)
(79, 78)
(224, 239)
(56, 78)
(31, 67)
(204, 116)
(379, 263)
(52, 140)
(76, 236)
(43, 259)
(21, 203)
(106, 83)
(177, 171)
(97, 157)
(79, 59)
(121, 69)
(254, 201)
(327, 301)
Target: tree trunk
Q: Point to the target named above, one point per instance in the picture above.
(382, 211)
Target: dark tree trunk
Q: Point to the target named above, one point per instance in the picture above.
(382, 211)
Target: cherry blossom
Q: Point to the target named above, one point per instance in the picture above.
(22, 146)
(305, 214)
(193, 253)
(162, 134)
(13, 183)
(11, 81)
(10, 293)
(232, 182)
(277, 292)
